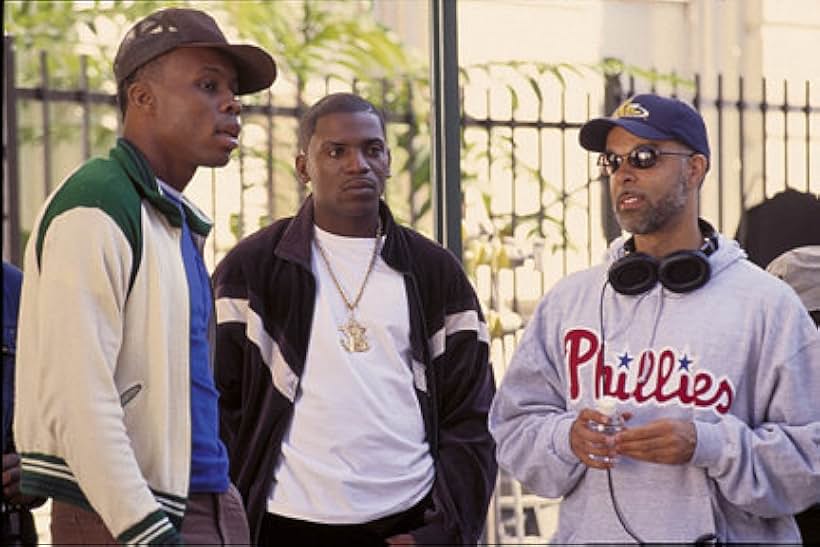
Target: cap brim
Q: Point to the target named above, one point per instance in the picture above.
(593, 134)
(255, 68)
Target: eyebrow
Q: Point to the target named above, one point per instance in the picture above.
(219, 70)
(365, 142)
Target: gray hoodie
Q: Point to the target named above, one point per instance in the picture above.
(739, 357)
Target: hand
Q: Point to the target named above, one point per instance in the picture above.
(401, 539)
(11, 481)
(662, 441)
(586, 443)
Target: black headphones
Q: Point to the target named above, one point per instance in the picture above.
(681, 271)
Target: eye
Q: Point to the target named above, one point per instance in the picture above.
(644, 155)
(209, 85)
(375, 150)
(335, 152)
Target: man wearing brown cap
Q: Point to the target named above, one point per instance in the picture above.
(117, 411)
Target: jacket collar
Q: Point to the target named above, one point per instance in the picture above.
(145, 182)
(295, 244)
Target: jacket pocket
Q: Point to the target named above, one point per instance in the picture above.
(128, 395)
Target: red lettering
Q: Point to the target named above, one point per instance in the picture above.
(683, 390)
(666, 366)
(580, 345)
(645, 368)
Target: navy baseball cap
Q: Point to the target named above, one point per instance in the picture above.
(652, 117)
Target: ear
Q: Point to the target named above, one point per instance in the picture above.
(300, 164)
(698, 165)
(140, 96)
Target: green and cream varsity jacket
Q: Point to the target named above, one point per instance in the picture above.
(102, 382)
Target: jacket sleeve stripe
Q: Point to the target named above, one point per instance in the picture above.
(237, 310)
(154, 529)
(420, 376)
(463, 321)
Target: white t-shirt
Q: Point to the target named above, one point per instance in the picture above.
(356, 449)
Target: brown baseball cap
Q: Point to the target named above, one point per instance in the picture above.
(168, 29)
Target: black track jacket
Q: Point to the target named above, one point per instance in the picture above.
(265, 293)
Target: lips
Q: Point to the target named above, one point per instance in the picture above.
(629, 200)
(360, 184)
(229, 132)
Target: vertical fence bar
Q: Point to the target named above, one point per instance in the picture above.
(11, 174)
(495, 299)
(785, 108)
(301, 189)
(412, 157)
(564, 194)
(807, 112)
(741, 108)
(613, 95)
(240, 221)
(589, 193)
(541, 180)
(86, 106)
(696, 103)
(214, 248)
(446, 146)
(719, 107)
(513, 188)
(46, 124)
(763, 108)
(513, 177)
(270, 187)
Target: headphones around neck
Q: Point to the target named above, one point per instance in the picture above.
(680, 272)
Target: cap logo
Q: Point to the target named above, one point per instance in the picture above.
(631, 110)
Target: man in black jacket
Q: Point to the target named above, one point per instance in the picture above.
(352, 361)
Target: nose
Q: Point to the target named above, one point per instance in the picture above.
(357, 162)
(624, 173)
(232, 105)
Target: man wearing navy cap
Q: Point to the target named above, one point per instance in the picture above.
(117, 417)
(669, 394)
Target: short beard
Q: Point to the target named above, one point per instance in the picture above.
(658, 215)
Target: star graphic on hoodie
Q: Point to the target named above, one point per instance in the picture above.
(625, 359)
(684, 363)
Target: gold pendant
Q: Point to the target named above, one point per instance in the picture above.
(355, 336)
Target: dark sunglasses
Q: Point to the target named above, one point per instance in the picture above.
(643, 156)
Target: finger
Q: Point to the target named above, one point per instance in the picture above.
(11, 460)
(642, 433)
(11, 476)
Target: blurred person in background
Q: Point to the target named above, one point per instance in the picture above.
(800, 268)
(17, 521)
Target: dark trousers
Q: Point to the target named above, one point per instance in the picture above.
(809, 523)
(279, 530)
(17, 528)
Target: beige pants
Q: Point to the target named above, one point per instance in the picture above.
(210, 519)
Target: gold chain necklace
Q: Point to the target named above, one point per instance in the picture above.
(355, 334)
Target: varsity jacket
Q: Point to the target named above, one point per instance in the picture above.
(103, 378)
(738, 357)
(265, 295)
